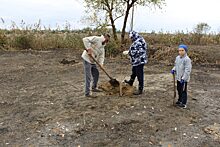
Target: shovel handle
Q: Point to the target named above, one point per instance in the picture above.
(99, 65)
(174, 86)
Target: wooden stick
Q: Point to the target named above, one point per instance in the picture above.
(174, 86)
(120, 89)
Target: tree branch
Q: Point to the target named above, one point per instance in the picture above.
(118, 17)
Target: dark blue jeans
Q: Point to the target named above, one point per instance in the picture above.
(182, 92)
(138, 71)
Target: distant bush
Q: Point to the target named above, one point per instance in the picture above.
(112, 49)
(178, 38)
(36, 38)
(2, 39)
(23, 41)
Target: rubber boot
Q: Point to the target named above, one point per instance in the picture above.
(130, 82)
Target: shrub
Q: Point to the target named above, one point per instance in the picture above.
(2, 39)
(112, 49)
(23, 41)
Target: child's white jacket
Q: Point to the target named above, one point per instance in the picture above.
(183, 68)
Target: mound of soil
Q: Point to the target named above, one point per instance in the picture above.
(126, 90)
(66, 61)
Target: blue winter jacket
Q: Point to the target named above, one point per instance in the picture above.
(138, 49)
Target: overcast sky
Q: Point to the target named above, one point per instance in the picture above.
(176, 15)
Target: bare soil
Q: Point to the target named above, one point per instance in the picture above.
(42, 103)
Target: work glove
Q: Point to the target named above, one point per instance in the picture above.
(172, 72)
(125, 52)
(182, 82)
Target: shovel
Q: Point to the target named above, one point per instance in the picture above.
(112, 81)
(174, 86)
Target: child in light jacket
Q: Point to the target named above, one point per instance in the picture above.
(182, 70)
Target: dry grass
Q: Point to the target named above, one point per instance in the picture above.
(34, 37)
(167, 54)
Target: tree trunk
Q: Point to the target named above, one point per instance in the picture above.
(125, 22)
(113, 27)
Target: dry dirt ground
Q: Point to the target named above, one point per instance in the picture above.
(42, 104)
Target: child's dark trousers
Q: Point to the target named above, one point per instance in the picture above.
(182, 92)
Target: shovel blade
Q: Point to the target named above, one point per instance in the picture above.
(114, 82)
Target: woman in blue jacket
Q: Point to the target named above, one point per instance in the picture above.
(138, 55)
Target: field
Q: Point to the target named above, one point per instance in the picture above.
(42, 103)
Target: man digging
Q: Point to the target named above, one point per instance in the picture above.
(94, 47)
